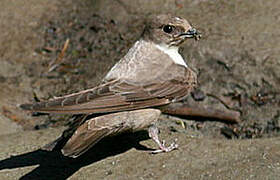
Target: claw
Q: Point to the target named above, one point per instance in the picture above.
(153, 133)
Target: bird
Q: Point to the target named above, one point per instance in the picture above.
(152, 74)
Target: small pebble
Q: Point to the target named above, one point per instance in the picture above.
(198, 95)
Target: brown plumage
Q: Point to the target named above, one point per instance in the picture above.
(151, 74)
(154, 80)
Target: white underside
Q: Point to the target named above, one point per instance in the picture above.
(173, 54)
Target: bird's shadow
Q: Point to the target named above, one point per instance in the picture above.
(53, 165)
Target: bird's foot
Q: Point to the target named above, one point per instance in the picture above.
(153, 133)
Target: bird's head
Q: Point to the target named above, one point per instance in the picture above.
(169, 30)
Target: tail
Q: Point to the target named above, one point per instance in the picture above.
(60, 142)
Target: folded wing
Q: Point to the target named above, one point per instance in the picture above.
(118, 95)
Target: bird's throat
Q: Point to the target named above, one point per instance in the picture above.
(173, 53)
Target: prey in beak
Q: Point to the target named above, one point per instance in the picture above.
(191, 33)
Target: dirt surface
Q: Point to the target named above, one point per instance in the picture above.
(237, 61)
(122, 158)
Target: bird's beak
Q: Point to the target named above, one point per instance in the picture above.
(191, 33)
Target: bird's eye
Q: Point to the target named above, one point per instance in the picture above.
(168, 28)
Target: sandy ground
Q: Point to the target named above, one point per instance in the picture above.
(197, 158)
(238, 65)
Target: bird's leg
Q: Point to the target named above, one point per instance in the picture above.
(153, 133)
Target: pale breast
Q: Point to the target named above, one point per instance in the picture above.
(147, 62)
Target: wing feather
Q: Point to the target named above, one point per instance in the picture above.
(118, 95)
